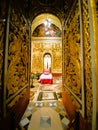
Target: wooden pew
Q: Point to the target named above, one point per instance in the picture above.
(77, 122)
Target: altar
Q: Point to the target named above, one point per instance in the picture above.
(46, 78)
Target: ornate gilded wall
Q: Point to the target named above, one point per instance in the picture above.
(42, 46)
(77, 56)
(72, 64)
(14, 57)
(87, 59)
(18, 55)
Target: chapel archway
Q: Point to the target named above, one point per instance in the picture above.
(46, 39)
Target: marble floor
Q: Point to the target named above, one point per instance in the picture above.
(35, 105)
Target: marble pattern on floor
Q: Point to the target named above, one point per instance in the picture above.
(35, 105)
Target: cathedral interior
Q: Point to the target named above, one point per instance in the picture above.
(56, 38)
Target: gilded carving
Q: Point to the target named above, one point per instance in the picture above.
(72, 64)
(40, 48)
(18, 56)
(72, 61)
(87, 60)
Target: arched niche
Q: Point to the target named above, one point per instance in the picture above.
(47, 61)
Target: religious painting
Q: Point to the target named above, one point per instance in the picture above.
(47, 31)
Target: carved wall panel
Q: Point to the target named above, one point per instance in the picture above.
(38, 51)
(72, 62)
(87, 59)
(18, 56)
(37, 57)
(72, 53)
(57, 58)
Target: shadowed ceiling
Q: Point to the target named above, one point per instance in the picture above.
(33, 8)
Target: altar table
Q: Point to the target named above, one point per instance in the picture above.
(46, 79)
